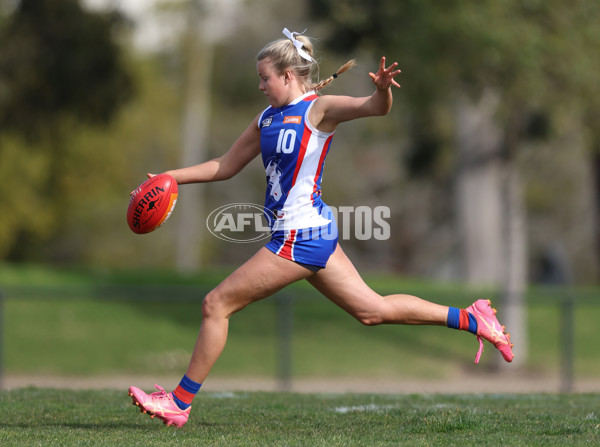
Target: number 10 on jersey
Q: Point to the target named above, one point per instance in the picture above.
(286, 140)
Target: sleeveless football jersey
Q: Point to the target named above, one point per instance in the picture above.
(293, 154)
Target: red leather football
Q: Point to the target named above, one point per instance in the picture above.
(152, 203)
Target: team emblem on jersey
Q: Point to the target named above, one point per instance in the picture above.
(266, 122)
(273, 177)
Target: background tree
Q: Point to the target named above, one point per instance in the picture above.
(60, 67)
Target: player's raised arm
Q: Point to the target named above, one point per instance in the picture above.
(331, 110)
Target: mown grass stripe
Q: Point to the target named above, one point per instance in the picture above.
(54, 417)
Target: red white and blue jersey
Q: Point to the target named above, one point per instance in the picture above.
(293, 154)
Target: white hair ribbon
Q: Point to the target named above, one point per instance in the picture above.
(297, 44)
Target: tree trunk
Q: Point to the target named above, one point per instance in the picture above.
(196, 116)
(490, 212)
(514, 280)
(478, 189)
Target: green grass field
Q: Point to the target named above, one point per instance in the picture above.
(107, 418)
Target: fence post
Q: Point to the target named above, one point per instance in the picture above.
(1, 341)
(558, 273)
(285, 321)
(567, 336)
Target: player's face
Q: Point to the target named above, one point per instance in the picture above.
(272, 84)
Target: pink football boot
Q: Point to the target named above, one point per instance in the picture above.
(490, 329)
(161, 405)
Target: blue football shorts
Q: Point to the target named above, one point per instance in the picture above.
(309, 247)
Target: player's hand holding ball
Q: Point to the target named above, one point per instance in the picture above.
(151, 203)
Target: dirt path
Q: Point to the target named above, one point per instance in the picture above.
(479, 383)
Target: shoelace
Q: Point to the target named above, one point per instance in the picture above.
(161, 393)
(478, 356)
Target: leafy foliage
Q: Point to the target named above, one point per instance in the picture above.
(535, 54)
(61, 70)
(57, 60)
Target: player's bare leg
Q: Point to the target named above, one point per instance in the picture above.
(342, 284)
(261, 276)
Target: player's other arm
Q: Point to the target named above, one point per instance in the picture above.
(245, 148)
(329, 111)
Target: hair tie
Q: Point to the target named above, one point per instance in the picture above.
(303, 54)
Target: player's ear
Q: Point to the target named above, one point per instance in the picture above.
(288, 76)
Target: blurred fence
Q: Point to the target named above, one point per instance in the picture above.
(561, 301)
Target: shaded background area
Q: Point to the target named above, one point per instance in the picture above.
(489, 161)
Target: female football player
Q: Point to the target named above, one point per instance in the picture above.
(293, 136)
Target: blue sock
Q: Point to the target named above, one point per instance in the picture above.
(453, 318)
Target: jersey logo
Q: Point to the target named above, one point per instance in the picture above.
(266, 122)
(292, 119)
(273, 177)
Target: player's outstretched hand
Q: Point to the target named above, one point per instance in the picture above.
(384, 78)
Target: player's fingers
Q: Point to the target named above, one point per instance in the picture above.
(393, 74)
(391, 67)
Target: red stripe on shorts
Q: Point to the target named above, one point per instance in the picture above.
(287, 249)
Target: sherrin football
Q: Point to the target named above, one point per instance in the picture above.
(152, 203)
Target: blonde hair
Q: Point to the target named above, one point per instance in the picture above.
(283, 55)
